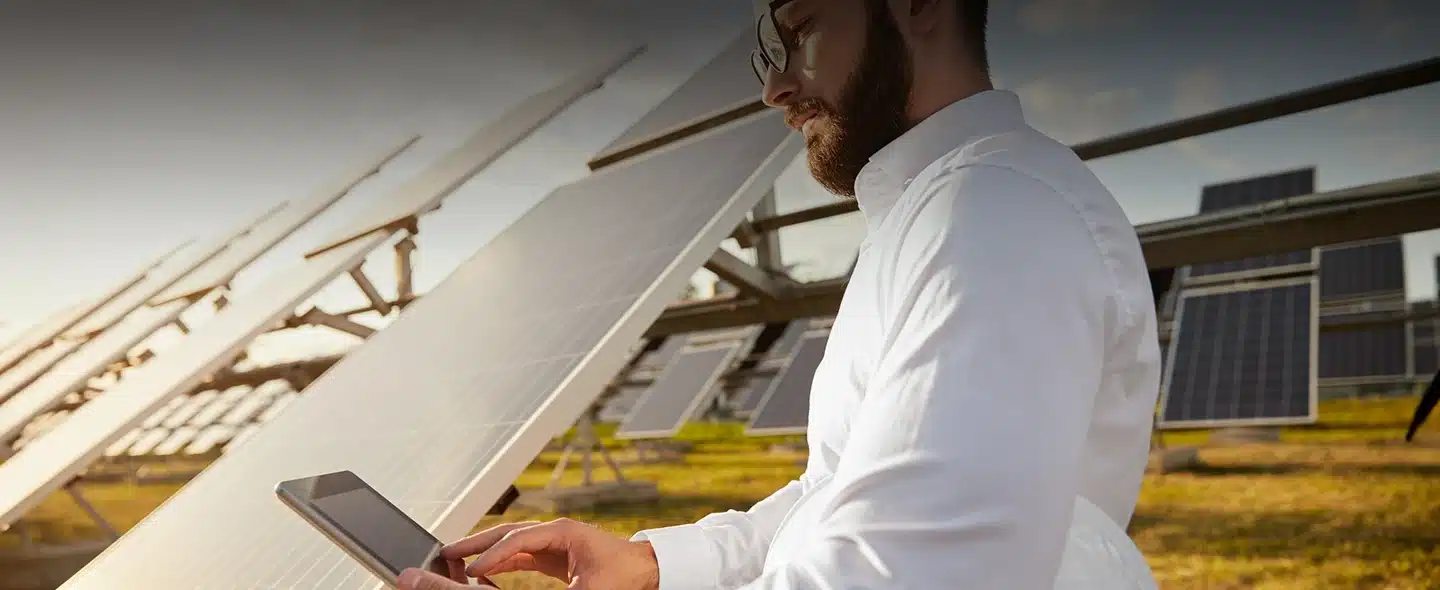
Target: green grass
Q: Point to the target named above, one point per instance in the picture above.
(1336, 505)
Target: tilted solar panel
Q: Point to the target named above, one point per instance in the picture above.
(786, 406)
(678, 392)
(1362, 269)
(1253, 191)
(1245, 356)
(1373, 353)
(543, 316)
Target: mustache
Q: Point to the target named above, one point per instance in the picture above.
(810, 107)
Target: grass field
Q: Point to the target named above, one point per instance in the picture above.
(1337, 505)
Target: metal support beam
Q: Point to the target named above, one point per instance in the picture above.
(74, 491)
(341, 323)
(404, 271)
(767, 244)
(371, 293)
(687, 130)
(1407, 76)
(748, 279)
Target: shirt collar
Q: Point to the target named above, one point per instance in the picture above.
(889, 172)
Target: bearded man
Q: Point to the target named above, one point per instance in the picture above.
(981, 418)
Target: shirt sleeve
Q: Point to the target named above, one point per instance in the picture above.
(962, 465)
(723, 550)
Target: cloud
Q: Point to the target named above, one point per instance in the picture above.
(1197, 91)
(1074, 108)
(1050, 17)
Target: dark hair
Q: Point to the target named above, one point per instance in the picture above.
(973, 15)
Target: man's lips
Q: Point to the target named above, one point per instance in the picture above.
(797, 121)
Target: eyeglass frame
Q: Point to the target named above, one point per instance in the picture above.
(759, 51)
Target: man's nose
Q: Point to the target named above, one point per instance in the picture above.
(780, 89)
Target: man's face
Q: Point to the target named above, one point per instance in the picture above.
(846, 86)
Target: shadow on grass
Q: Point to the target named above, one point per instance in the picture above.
(1312, 535)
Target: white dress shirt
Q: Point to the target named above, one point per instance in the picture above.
(994, 362)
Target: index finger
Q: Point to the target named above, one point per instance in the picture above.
(478, 542)
(551, 536)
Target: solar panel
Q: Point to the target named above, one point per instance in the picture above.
(781, 350)
(213, 411)
(88, 361)
(211, 438)
(424, 193)
(50, 462)
(1425, 340)
(158, 416)
(785, 408)
(1355, 270)
(1378, 353)
(679, 390)
(1254, 191)
(161, 277)
(1243, 356)
(223, 268)
(472, 381)
(30, 338)
(620, 405)
(35, 365)
(722, 84)
(61, 322)
(177, 440)
(189, 409)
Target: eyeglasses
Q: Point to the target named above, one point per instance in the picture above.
(771, 53)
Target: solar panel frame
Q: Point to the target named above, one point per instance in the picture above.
(63, 322)
(48, 463)
(33, 367)
(780, 350)
(425, 192)
(794, 381)
(1163, 419)
(1380, 354)
(86, 362)
(1253, 191)
(167, 273)
(665, 424)
(1369, 268)
(1424, 342)
(697, 194)
(245, 250)
(708, 93)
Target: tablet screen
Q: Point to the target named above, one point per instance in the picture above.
(373, 522)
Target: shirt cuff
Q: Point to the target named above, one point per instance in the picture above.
(686, 559)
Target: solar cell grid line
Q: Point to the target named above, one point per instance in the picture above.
(221, 269)
(1253, 191)
(685, 384)
(36, 364)
(724, 84)
(162, 276)
(1243, 354)
(48, 463)
(543, 315)
(1352, 270)
(425, 192)
(88, 361)
(1375, 354)
(785, 408)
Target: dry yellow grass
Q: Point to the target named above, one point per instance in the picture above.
(1338, 505)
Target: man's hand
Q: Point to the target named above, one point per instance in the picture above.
(581, 555)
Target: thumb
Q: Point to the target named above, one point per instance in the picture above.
(418, 579)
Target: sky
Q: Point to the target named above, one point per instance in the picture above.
(129, 128)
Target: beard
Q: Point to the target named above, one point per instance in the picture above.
(872, 108)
